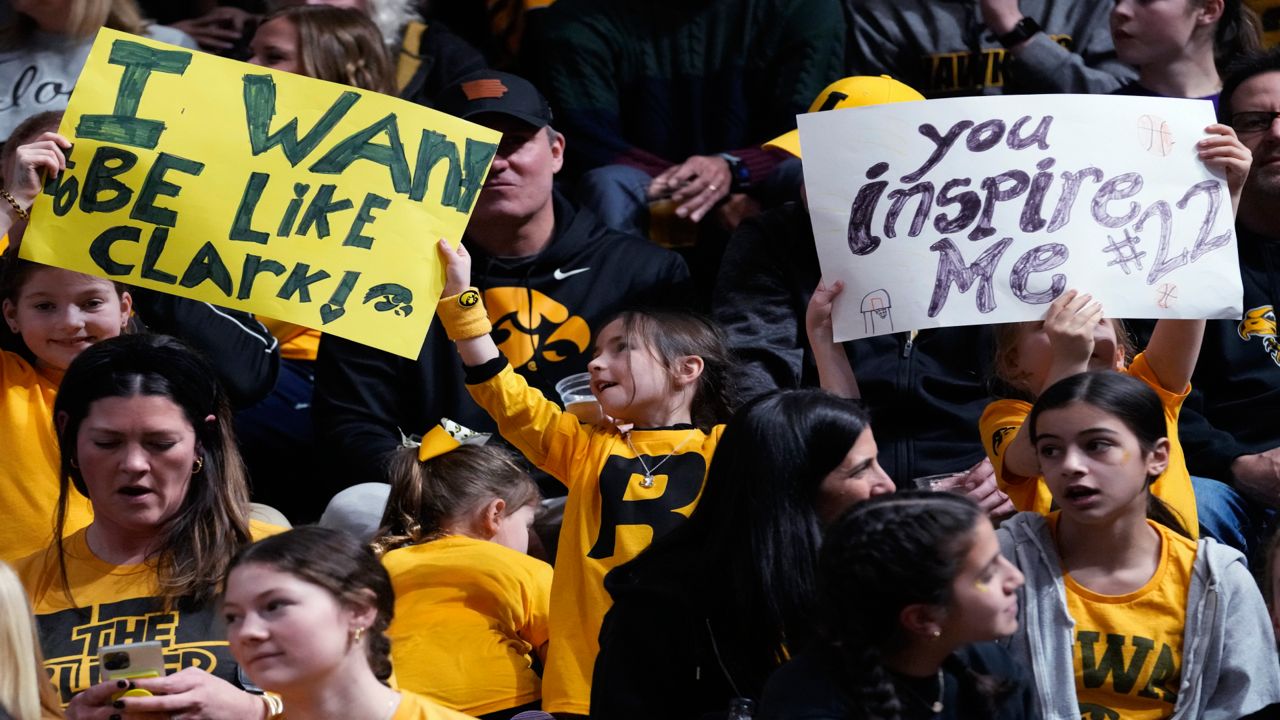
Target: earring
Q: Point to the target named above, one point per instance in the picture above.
(199, 465)
(357, 634)
(73, 463)
(936, 634)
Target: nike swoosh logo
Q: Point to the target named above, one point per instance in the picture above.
(560, 275)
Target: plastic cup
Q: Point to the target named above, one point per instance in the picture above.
(575, 395)
(668, 229)
(939, 482)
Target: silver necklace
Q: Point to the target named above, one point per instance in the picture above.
(937, 704)
(647, 481)
(936, 707)
(392, 707)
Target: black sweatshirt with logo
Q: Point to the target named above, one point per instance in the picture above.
(544, 308)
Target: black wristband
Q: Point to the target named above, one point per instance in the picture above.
(739, 173)
(1025, 28)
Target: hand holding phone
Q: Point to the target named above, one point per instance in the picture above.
(131, 661)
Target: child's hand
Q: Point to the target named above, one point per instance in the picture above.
(1224, 151)
(457, 268)
(42, 155)
(817, 317)
(1069, 323)
(834, 372)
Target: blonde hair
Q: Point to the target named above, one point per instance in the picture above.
(340, 45)
(84, 19)
(1010, 380)
(390, 17)
(25, 690)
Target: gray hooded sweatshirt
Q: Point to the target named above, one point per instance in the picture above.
(1229, 662)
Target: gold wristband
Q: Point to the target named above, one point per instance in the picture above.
(22, 214)
(463, 315)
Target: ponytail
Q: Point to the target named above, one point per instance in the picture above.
(978, 690)
(1238, 33)
(870, 687)
(426, 497)
(1159, 511)
(886, 554)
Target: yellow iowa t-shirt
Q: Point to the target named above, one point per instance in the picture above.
(1002, 421)
(416, 707)
(1127, 649)
(469, 616)
(29, 462)
(610, 515)
(114, 604)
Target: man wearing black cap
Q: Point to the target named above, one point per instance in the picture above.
(549, 273)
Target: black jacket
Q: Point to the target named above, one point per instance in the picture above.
(544, 309)
(241, 350)
(1236, 386)
(807, 689)
(445, 59)
(926, 394)
(670, 646)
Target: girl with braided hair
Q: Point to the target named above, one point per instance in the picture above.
(307, 613)
(913, 588)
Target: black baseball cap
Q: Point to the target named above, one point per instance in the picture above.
(491, 91)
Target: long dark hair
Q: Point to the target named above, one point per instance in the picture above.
(1238, 32)
(342, 565)
(884, 555)
(672, 334)
(753, 539)
(195, 545)
(1130, 401)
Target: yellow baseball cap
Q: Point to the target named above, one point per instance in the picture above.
(856, 91)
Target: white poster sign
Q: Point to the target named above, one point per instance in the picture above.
(983, 210)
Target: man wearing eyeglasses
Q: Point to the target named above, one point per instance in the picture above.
(1230, 425)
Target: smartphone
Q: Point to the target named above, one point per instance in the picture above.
(131, 661)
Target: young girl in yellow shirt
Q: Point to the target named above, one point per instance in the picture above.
(663, 379)
(56, 314)
(471, 606)
(1154, 624)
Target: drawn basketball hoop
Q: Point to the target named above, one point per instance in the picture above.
(876, 310)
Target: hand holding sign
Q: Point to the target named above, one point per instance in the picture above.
(30, 164)
(1070, 324)
(274, 193)
(1224, 151)
(1011, 200)
(835, 374)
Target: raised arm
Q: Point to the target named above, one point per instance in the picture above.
(24, 176)
(479, 349)
(835, 375)
(1173, 350)
(1069, 323)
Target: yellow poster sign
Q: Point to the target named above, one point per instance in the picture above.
(294, 198)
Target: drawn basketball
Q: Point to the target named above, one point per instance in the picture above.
(1154, 135)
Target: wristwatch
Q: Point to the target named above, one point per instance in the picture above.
(739, 173)
(1025, 28)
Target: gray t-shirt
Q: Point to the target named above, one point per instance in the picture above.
(41, 75)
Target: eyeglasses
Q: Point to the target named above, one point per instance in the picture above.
(1254, 121)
